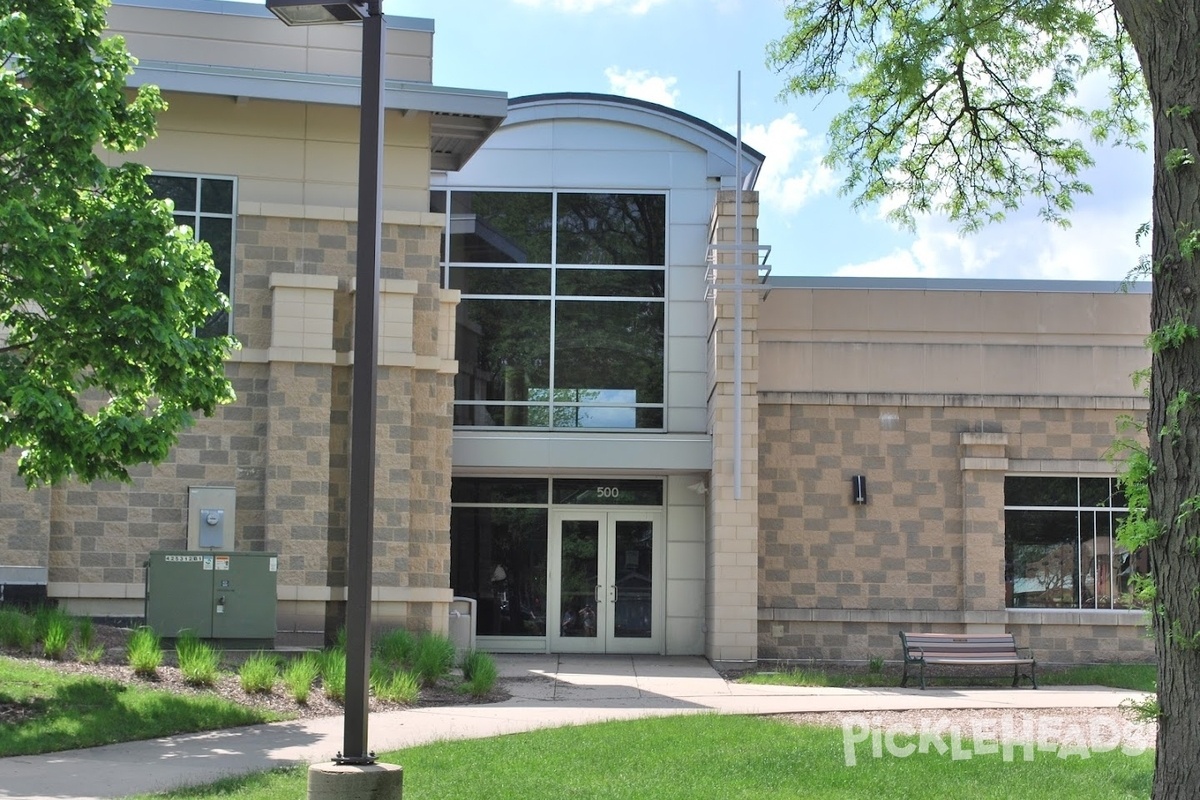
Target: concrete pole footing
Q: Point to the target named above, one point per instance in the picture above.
(329, 781)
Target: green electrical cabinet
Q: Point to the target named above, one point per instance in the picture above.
(215, 594)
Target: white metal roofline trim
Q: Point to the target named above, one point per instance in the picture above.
(720, 145)
(957, 284)
(337, 90)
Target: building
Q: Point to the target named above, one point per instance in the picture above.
(596, 418)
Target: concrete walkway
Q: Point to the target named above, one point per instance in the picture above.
(547, 691)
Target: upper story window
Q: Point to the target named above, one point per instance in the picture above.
(563, 316)
(206, 205)
(1060, 547)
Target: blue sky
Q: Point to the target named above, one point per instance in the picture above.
(687, 53)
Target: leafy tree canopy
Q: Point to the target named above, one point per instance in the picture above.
(966, 108)
(100, 291)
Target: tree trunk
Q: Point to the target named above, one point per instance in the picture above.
(1166, 35)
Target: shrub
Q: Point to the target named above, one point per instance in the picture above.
(144, 652)
(299, 675)
(198, 661)
(57, 636)
(875, 666)
(16, 629)
(259, 673)
(395, 647)
(479, 673)
(433, 657)
(333, 673)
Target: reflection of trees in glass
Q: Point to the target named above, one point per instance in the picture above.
(500, 227)
(498, 556)
(612, 229)
(503, 349)
(1062, 492)
(606, 354)
(579, 282)
(610, 345)
(579, 575)
(499, 490)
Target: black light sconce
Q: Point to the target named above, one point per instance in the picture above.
(858, 489)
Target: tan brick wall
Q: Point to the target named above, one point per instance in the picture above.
(284, 444)
(928, 547)
(834, 640)
(24, 520)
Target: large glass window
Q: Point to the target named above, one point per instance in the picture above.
(498, 530)
(563, 315)
(207, 206)
(1060, 545)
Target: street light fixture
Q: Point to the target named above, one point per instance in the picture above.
(360, 537)
(303, 12)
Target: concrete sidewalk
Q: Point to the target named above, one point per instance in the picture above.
(547, 691)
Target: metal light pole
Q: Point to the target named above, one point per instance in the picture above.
(360, 538)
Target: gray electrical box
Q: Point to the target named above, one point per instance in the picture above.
(211, 516)
(216, 595)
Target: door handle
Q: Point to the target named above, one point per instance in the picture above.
(612, 593)
(599, 593)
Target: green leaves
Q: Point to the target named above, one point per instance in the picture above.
(964, 108)
(100, 293)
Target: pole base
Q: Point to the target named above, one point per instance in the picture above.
(330, 781)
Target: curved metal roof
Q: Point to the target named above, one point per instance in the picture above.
(720, 145)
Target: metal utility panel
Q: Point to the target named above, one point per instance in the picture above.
(216, 595)
(211, 517)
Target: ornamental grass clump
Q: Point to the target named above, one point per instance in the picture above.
(16, 630)
(479, 673)
(432, 658)
(333, 673)
(87, 651)
(144, 652)
(401, 687)
(300, 674)
(57, 636)
(198, 661)
(395, 647)
(259, 673)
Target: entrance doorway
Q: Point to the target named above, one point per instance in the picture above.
(605, 589)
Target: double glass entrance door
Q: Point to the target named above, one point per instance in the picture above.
(605, 591)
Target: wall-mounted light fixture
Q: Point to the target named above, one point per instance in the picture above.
(858, 489)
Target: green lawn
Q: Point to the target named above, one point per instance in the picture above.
(715, 756)
(72, 711)
(1138, 677)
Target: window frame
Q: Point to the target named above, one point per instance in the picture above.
(1081, 539)
(198, 214)
(554, 407)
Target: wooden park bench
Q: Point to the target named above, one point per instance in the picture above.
(966, 649)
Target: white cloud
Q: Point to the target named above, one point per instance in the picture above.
(642, 85)
(635, 7)
(1099, 245)
(792, 173)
